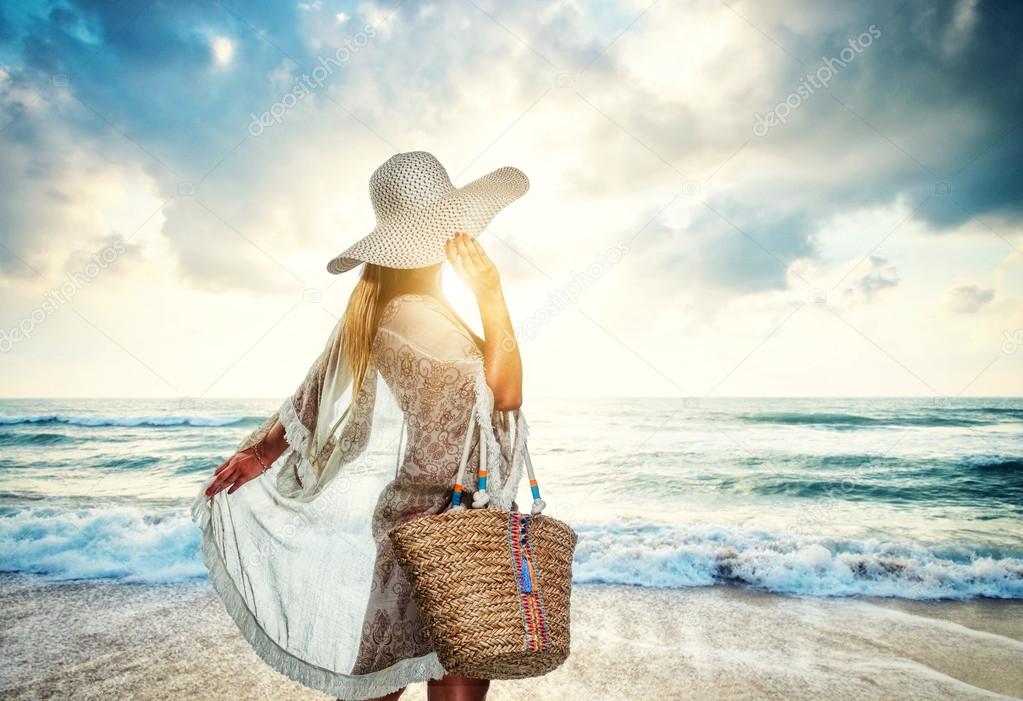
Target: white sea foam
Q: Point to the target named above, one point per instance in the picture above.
(670, 556)
(130, 544)
(99, 543)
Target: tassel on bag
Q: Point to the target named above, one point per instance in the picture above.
(526, 580)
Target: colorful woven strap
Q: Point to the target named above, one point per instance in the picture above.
(534, 621)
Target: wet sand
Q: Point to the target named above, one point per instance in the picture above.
(102, 640)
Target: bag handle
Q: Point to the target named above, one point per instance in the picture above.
(534, 487)
(480, 496)
(456, 493)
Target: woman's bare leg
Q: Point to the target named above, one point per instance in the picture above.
(451, 687)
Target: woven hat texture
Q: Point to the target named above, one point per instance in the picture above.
(418, 209)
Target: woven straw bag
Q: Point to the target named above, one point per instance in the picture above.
(493, 587)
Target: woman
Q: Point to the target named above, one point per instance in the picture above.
(301, 558)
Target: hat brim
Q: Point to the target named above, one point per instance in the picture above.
(415, 239)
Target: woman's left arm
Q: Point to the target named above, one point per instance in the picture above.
(501, 360)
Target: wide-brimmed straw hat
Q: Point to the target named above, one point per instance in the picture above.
(418, 210)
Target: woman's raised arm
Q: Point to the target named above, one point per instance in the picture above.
(501, 360)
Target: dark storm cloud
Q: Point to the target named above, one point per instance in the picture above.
(942, 90)
(943, 64)
(931, 113)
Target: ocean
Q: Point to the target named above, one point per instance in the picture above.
(905, 498)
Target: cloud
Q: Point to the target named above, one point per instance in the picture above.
(63, 189)
(642, 112)
(969, 299)
(882, 276)
(734, 246)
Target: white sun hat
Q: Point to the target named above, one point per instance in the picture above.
(418, 210)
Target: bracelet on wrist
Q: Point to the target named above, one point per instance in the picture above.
(259, 458)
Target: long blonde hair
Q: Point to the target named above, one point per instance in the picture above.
(362, 316)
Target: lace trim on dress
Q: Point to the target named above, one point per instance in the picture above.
(295, 432)
(299, 438)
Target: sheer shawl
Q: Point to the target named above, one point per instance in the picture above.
(294, 554)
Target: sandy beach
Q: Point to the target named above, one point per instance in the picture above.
(92, 640)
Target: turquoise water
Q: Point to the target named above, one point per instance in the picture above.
(914, 498)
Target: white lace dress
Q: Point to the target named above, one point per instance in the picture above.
(302, 560)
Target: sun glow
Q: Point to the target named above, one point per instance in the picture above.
(223, 50)
(460, 297)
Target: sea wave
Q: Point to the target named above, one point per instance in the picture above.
(129, 544)
(1013, 412)
(841, 421)
(873, 462)
(676, 557)
(1000, 484)
(13, 439)
(974, 480)
(995, 463)
(129, 421)
(124, 543)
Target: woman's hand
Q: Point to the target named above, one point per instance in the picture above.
(473, 265)
(244, 465)
(235, 471)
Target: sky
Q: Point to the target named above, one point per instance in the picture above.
(728, 198)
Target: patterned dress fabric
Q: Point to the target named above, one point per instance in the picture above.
(301, 556)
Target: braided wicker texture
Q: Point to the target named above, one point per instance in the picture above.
(418, 209)
(464, 579)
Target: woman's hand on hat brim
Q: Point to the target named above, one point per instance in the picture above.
(473, 265)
